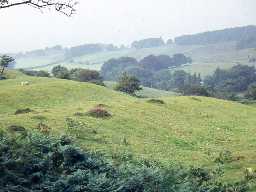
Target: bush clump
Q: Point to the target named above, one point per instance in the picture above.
(35, 73)
(2, 77)
(224, 157)
(156, 101)
(78, 74)
(99, 112)
(23, 111)
(41, 163)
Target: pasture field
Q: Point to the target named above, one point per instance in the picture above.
(192, 131)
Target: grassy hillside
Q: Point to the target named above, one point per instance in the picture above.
(206, 58)
(189, 130)
(146, 92)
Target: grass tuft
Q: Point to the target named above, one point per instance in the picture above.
(16, 128)
(22, 111)
(156, 101)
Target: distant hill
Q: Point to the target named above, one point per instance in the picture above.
(206, 58)
(65, 52)
(48, 51)
(246, 43)
(219, 51)
(212, 37)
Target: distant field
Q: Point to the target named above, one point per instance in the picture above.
(205, 58)
(188, 130)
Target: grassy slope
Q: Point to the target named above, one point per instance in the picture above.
(191, 130)
(146, 92)
(206, 58)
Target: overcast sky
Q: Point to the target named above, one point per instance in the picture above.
(119, 21)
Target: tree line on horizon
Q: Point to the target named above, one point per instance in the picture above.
(243, 36)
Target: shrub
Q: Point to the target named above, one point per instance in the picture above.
(2, 77)
(22, 111)
(65, 140)
(224, 157)
(201, 174)
(156, 101)
(40, 163)
(99, 112)
(36, 73)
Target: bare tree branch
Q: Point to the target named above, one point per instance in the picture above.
(66, 7)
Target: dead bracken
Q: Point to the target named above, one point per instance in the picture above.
(98, 112)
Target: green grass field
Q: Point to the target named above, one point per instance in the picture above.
(205, 58)
(187, 130)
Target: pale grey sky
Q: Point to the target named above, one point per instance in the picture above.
(119, 21)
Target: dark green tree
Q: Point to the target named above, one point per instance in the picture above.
(5, 60)
(193, 89)
(128, 84)
(86, 75)
(251, 92)
(179, 59)
(179, 79)
(112, 68)
(60, 72)
(145, 76)
(236, 79)
(156, 63)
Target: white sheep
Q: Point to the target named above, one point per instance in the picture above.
(24, 83)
